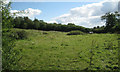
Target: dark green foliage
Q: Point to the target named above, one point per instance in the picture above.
(36, 24)
(19, 34)
(112, 22)
(9, 54)
(99, 29)
(112, 25)
(18, 21)
(29, 23)
(26, 23)
(75, 33)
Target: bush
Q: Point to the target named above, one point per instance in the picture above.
(45, 33)
(19, 34)
(10, 55)
(76, 32)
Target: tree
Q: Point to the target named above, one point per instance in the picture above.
(29, 23)
(71, 24)
(24, 25)
(36, 24)
(42, 25)
(9, 54)
(98, 27)
(18, 21)
(111, 20)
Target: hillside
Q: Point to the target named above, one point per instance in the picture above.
(52, 50)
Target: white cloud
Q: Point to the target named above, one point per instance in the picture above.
(6, 1)
(88, 15)
(51, 21)
(31, 13)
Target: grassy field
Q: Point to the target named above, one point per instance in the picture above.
(52, 50)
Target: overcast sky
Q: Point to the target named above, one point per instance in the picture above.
(85, 14)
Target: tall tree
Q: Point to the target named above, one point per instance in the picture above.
(111, 19)
(29, 23)
(36, 24)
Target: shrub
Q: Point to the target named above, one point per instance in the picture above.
(76, 32)
(9, 54)
(45, 33)
(19, 34)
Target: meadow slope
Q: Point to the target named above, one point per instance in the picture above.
(52, 50)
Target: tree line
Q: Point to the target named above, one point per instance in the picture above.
(26, 23)
(112, 24)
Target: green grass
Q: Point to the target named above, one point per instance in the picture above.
(52, 50)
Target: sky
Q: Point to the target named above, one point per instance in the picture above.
(85, 14)
(48, 10)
